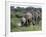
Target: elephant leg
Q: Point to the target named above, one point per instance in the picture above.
(29, 21)
(33, 22)
(22, 23)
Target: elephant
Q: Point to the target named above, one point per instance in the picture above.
(36, 17)
(28, 17)
(23, 21)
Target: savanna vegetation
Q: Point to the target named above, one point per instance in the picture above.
(18, 12)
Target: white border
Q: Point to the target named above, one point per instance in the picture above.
(9, 34)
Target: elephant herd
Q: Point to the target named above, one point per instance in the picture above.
(29, 18)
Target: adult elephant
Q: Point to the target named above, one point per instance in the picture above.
(28, 17)
(36, 18)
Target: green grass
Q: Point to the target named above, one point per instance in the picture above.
(30, 28)
(16, 28)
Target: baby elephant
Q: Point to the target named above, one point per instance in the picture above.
(23, 21)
